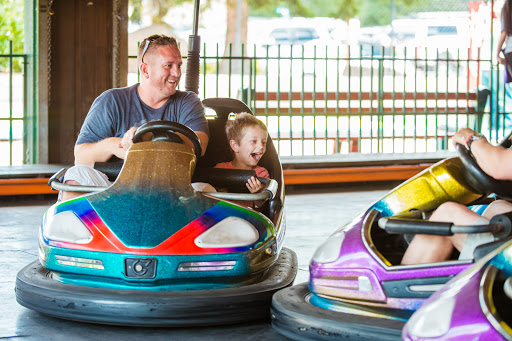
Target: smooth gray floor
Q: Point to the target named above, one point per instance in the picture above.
(311, 216)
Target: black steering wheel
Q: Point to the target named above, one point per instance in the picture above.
(480, 180)
(166, 131)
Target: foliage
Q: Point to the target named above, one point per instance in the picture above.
(267, 8)
(370, 12)
(339, 9)
(136, 16)
(306, 8)
(159, 9)
(11, 28)
(378, 12)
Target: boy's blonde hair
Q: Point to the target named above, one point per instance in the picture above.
(235, 128)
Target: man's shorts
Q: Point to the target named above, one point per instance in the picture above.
(86, 176)
(475, 239)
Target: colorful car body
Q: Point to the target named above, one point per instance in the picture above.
(351, 266)
(357, 287)
(475, 305)
(151, 242)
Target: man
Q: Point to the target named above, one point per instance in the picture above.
(496, 161)
(114, 116)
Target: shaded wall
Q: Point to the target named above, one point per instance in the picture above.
(86, 42)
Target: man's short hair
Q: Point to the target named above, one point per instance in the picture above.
(152, 42)
(235, 128)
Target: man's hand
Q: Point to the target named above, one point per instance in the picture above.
(125, 143)
(254, 185)
(127, 140)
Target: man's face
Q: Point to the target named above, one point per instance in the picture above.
(164, 69)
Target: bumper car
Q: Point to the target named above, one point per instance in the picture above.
(357, 287)
(475, 305)
(151, 251)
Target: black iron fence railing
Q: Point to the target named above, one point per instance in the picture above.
(322, 100)
(13, 108)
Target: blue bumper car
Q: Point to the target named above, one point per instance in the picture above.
(151, 251)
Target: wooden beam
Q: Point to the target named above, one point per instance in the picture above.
(25, 187)
(350, 174)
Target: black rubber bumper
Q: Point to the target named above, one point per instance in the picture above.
(293, 316)
(37, 291)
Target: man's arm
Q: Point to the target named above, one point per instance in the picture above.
(102, 151)
(496, 161)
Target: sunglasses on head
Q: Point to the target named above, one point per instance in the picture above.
(149, 40)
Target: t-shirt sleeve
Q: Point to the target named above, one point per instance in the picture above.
(98, 124)
(193, 113)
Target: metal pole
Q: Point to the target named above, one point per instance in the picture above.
(194, 50)
(393, 10)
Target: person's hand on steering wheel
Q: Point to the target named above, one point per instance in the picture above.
(462, 136)
(125, 143)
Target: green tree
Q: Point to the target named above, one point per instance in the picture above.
(159, 9)
(305, 8)
(267, 8)
(11, 29)
(378, 12)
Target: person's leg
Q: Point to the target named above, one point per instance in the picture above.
(85, 176)
(497, 207)
(427, 249)
(468, 247)
(431, 249)
(455, 213)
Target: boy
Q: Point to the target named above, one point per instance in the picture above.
(247, 138)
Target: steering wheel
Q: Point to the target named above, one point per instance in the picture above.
(480, 180)
(166, 131)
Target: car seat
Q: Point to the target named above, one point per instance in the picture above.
(219, 150)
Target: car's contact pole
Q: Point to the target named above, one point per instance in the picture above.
(194, 50)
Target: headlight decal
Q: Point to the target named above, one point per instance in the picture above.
(66, 227)
(229, 232)
(183, 242)
(102, 238)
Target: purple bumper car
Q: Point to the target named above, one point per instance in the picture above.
(357, 287)
(475, 305)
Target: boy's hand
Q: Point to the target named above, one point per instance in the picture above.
(254, 185)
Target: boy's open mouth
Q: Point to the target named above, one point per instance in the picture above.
(256, 156)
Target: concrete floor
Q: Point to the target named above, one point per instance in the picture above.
(311, 215)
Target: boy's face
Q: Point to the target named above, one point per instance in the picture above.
(251, 148)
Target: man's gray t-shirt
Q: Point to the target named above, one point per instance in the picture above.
(117, 110)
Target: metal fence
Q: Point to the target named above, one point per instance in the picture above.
(13, 109)
(322, 100)
(327, 100)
